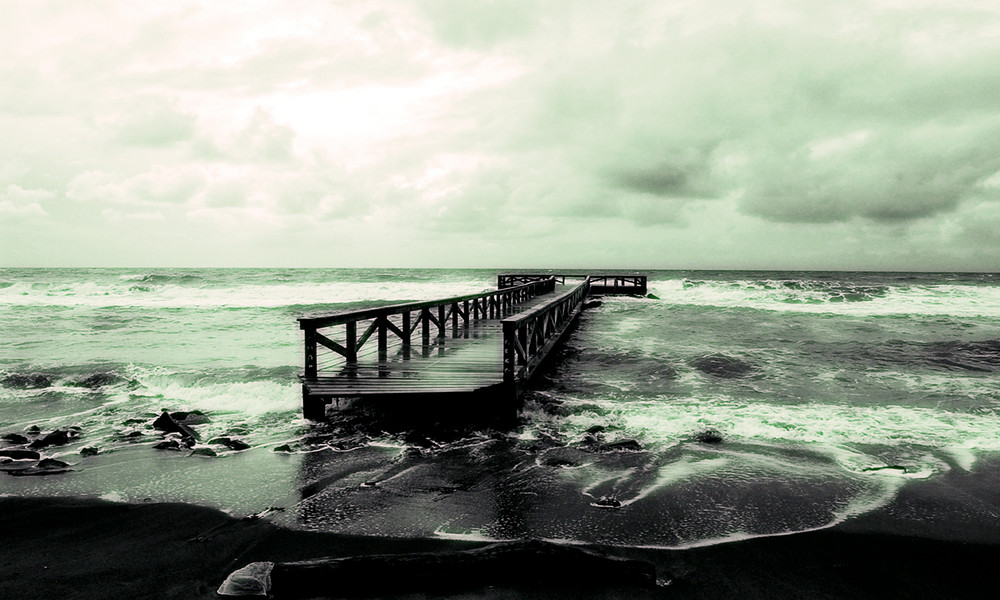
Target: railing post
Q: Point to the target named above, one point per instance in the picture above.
(509, 352)
(310, 366)
(383, 339)
(441, 321)
(425, 316)
(352, 341)
(406, 335)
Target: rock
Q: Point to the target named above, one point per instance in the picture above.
(98, 380)
(130, 435)
(167, 445)
(59, 437)
(595, 429)
(231, 443)
(607, 502)
(900, 468)
(20, 454)
(15, 438)
(621, 446)
(709, 436)
(720, 365)
(89, 451)
(652, 296)
(252, 580)
(27, 381)
(592, 304)
(46, 466)
(52, 463)
(203, 451)
(193, 417)
(283, 448)
(166, 422)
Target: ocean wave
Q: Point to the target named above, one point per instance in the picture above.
(858, 437)
(839, 297)
(154, 293)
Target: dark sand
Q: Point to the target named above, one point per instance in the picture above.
(75, 548)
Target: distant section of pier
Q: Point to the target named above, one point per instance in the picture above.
(631, 283)
(468, 356)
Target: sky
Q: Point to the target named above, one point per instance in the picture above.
(676, 134)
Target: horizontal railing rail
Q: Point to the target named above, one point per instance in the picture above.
(403, 320)
(528, 336)
(618, 284)
(506, 280)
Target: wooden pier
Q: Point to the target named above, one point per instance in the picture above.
(469, 354)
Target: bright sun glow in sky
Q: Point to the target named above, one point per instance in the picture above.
(783, 134)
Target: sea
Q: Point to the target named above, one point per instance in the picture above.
(724, 405)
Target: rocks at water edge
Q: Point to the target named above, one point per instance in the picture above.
(14, 438)
(20, 454)
(231, 443)
(190, 417)
(45, 466)
(58, 437)
(167, 423)
(171, 444)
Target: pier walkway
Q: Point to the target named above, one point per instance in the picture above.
(468, 353)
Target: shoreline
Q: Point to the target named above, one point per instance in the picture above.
(93, 549)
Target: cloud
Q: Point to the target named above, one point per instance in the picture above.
(152, 121)
(260, 138)
(481, 24)
(161, 185)
(436, 120)
(16, 201)
(891, 175)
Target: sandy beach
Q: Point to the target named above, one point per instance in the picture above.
(86, 549)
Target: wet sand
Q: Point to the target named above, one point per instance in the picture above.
(89, 549)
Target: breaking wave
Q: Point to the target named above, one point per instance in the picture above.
(840, 297)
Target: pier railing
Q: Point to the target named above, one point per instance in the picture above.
(403, 320)
(618, 284)
(530, 335)
(506, 280)
(612, 283)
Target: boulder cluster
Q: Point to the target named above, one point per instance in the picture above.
(179, 434)
(23, 453)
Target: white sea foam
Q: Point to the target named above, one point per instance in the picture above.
(943, 299)
(835, 429)
(267, 296)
